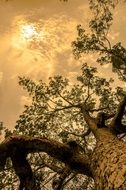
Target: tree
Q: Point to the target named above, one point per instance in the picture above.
(59, 109)
(97, 40)
(81, 128)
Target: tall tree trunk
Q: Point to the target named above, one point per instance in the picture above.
(109, 162)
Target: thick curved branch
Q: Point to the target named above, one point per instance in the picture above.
(17, 148)
(22, 169)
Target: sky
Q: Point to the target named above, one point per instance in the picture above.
(35, 41)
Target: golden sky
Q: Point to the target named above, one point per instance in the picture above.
(35, 41)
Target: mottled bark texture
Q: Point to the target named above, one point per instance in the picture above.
(107, 163)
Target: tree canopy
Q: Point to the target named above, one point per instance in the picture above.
(57, 132)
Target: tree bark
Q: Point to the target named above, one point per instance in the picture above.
(108, 163)
(18, 147)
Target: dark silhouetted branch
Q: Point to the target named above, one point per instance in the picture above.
(18, 147)
(116, 123)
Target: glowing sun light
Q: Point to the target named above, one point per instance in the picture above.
(27, 34)
(28, 31)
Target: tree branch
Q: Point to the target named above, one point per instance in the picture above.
(91, 122)
(17, 148)
(65, 99)
(116, 123)
(58, 184)
(69, 179)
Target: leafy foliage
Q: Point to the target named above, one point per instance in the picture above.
(97, 41)
(55, 111)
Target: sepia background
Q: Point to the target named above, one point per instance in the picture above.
(35, 41)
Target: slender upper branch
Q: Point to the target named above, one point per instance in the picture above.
(89, 120)
(58, 184)
(65, 99)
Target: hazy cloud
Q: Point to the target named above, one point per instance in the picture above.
(47, 53)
